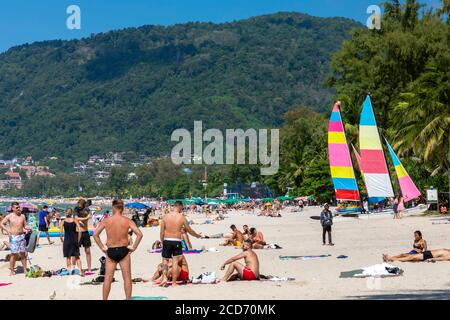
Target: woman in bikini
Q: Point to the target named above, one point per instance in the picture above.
(419, 246)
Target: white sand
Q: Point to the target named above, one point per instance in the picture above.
(363, 240)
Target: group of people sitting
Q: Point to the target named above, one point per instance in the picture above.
(420, 252)
(174, 237)
(236, 237)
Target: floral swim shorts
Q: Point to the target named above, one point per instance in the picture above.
(18, 243)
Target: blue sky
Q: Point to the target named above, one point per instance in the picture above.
(23, 21)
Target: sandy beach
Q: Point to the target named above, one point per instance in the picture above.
(362, 240)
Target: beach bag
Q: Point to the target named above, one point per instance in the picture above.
(206, 278)
(328, 223)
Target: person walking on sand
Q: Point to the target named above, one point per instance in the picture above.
(16, 232)
(43, 224)
(248, 272)
(117, 248)
(326, 220)
(171, 236)
(71, 249)
(83, 215)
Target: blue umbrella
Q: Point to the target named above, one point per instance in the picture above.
(136, 205)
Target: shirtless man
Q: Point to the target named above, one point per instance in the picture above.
(182, 276)
(257, 239)
(171, 237)
(83, 215)
(117, 249)
(17, 226)
(236, 239)
(430, 256)
(248, 272)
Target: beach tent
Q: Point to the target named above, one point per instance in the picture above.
(136, 205)
(285, 198)
(266, 200)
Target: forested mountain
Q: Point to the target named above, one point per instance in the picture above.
(127, 90)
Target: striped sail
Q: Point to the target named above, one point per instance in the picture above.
(373, 163)
(358, 159)
(339, 157)
(407, 186)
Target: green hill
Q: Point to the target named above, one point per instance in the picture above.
(127, 90)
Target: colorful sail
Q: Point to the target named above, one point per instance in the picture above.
(373, 162)
(342, 173)
(407, 186)
(358, 159)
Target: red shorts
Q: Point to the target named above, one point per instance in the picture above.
(247, 274)
(183, 276)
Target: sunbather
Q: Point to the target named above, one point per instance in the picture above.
(161, 275)
(248, 272)
(419, 246)
(236, 239)
(431, 256)
(257, 239)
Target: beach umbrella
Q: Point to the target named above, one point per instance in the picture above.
(285, 198)
(25, 205)
(136, 205)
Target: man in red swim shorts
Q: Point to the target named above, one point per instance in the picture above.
(248, 272)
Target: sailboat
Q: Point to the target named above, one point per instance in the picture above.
(371, 161)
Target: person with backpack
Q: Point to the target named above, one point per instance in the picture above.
(326, 220)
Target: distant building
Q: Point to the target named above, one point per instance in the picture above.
(13, 180)
(44, 174)
(101, 175)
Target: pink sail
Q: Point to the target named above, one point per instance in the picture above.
(407, 186)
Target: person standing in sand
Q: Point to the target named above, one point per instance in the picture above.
(171, 236)
(17, 226)
(248, 272)
(83, 215)
(326, 220)
(44, 224)
(71, 249)
(117, 248)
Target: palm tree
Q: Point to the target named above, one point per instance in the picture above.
(421, 118)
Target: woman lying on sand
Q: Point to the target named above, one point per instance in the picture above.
(431, 256)
(419, 246)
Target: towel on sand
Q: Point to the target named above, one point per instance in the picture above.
(5, 284)
(148, 298)
(274, 278)
(378, 270)
(193, 251)
(272, 246)
(304, 257)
